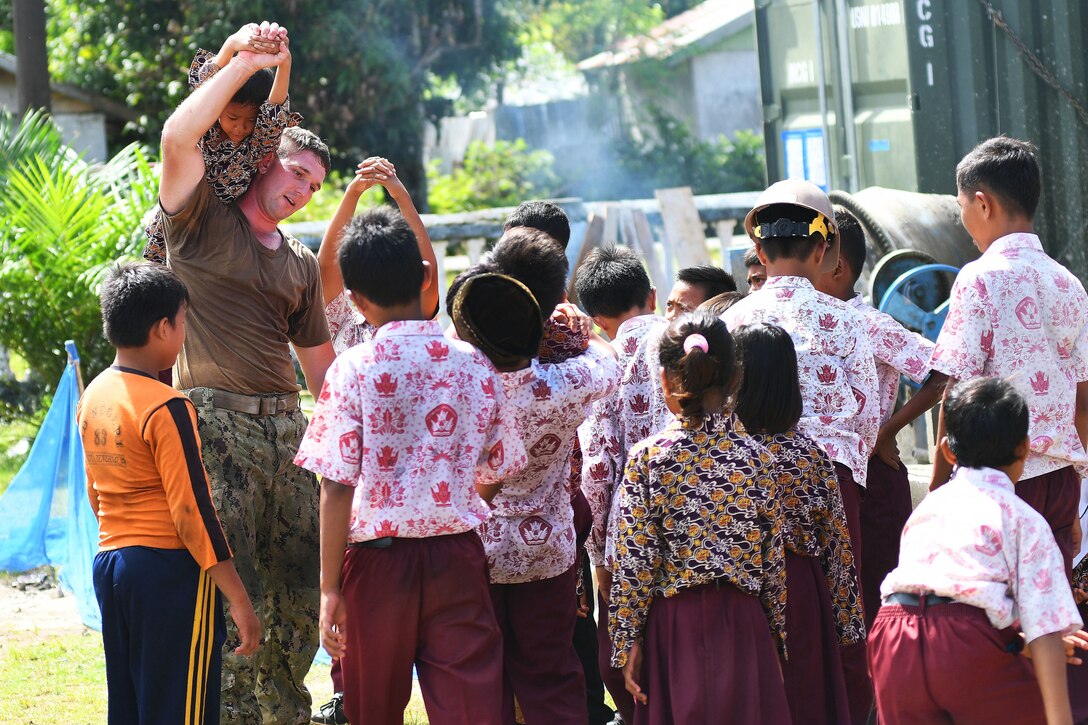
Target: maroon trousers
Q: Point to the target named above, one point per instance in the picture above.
(813, 675)
(1055, 495)
(1077, 678)
(859, 688)
(540, 665)
(946, 664)
(708, 657)
(885, 509)
(423, 602)
(612, 676)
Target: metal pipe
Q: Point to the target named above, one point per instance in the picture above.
(821, 79)
(846, 74)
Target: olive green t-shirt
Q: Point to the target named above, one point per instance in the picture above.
(247, 302)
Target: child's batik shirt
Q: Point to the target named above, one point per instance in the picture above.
(1015, 313)
(974, 540)
(530, 535)
(835, 365)
(816, 522)
(412, 420)
(603, 453)
(228, 167)
(898, 352)
(699, 504)
(347, 327)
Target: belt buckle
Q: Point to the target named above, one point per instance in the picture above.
(268, 405)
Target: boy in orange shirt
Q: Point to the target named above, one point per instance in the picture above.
(163, 557)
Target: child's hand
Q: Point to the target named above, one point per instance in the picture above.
(887, 450)
(632, 671)
(604, 582)
(248, 37)
(573, 318)
(1080, 596)
(249, 627)
(331, 623)
(371, 172)
(1073, 642)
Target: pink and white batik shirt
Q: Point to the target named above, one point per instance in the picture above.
(601, 436)
(412, 420)
(835, 365)
(974, 540)
(898, 352)
(530, 535)
(1016, 313)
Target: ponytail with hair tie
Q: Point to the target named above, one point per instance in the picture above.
(695, 340)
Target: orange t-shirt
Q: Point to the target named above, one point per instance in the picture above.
(145, 478)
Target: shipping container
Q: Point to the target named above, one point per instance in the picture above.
(922, 82)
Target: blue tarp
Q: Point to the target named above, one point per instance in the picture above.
(45, 517)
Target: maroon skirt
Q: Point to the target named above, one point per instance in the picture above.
(1077, 678)
(708, 657)
(813, 675)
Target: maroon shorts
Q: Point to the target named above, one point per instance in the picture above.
(885, 509)
(423, 602)
(708, 657)
(540, 665)
(813, 674)
(1055, 495)
(947, 663)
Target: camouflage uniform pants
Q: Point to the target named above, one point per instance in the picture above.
(269, 510)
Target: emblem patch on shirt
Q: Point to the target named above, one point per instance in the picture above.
(546, 446)
(351, 448)
(535, 531)
(442, 421)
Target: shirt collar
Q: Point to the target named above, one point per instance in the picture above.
(1015, 242)
(631, 324)
(787, 281)
(517, 378)
(405, 328)
(983, 477)
(857, 301)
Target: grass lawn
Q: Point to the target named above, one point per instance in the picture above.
(63, 680)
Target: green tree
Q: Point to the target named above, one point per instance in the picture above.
(504, 174)
(360, 73)
(62, 223)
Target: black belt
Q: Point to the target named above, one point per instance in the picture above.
(383, 543)
(913, 600)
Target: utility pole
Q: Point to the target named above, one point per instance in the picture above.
(32, 62)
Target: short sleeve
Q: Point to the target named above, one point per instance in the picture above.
(503, 454)
(307, 326)
(333, 444)
(202, 68)
(1043, 598)
(183, 230)
(966, 342)
(907, 352)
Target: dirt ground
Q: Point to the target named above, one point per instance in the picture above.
(35, 612)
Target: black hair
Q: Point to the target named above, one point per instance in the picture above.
(135, 297)
(254, 92)
(459, 281)
(769, 400)
(379, 258)
(692, 374)
(799, 248)
(544, 216)
(611, 281)
(1005, 167)
(985, 419)
(851, 241)
(718, 304)
(710, 279)
(295, 140)
(533, 258)
(751, 258)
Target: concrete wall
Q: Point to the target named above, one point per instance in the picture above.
(83, 128)
(727, 97)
